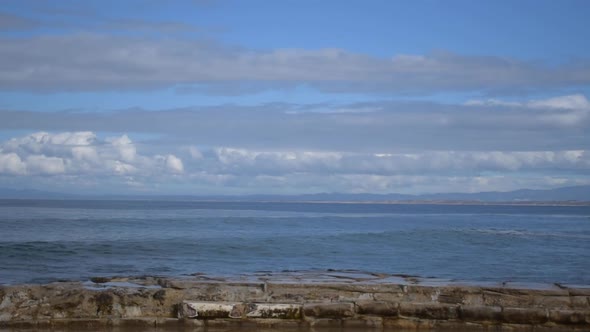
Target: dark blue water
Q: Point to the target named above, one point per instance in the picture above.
(43, 241)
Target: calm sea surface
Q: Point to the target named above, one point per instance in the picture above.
(43, 241)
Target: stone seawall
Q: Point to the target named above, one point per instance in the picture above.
(299, 301)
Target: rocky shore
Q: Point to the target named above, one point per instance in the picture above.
(295, 301)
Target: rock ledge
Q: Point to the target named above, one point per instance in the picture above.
(295, 300)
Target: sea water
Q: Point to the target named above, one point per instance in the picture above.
(43, 241)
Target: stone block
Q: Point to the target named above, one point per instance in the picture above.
(580, 302)
(389, 297)
(354, 296)
(428, 311)
(569, 316)
(557, 302)
(579, 291)
(208, 310)
(377, 308)
(511, 299)
(328, 310)
(289, 293)
(420, 294)
(314, 293)
(218, 292)
(524, 315)
(274, 310)
(480, 313)
(473, 299)
(451, 296)
(460, 295)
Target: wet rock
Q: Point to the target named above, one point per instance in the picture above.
(100, 280)
(480, 313)
(160, 295)
(428, 311)
(579, 291)
(580, 302)
(376, 308)
(502, 298)
(328, 310)
(104, 304)
(569, 317)
(524, 315)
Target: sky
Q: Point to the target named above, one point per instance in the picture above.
(220, 97)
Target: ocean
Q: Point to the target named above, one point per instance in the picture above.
(49, 240)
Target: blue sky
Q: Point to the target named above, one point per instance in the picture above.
(240, 97)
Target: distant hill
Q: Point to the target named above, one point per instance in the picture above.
(576, 193)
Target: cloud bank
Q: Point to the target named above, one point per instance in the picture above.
(83, 159)
(556, 124)
(99, 62)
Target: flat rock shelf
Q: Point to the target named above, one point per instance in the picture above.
(301, 301)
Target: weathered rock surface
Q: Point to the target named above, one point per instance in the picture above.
(283, 301)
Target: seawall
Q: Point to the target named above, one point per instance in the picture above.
(298, 301)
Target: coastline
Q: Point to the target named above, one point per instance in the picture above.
(451, 202)
(295, 300)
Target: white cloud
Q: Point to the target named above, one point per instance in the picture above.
(85, 153)
(242, 161)
(40, 164)
(492, 102)
(174, 164)
(11, 163)
(195, 153)
(80, 154)
(570, 102)
(570, 110)
(124, 147)
(121, 168)
(297, 183)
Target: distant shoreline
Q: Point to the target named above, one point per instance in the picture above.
(562, 196)
(359, 202)
(531, 203)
